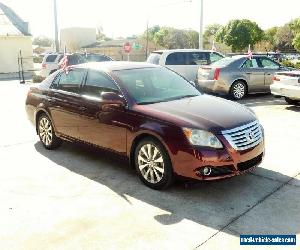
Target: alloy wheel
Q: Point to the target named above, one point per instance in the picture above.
(45, 131)
(151, 163)
(239, 90)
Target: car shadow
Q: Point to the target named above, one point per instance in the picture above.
(212, 204)
(293, 108)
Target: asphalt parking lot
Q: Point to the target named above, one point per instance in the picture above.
(82, 198)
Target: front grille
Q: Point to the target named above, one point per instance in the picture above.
(249, 164)
(244, 137)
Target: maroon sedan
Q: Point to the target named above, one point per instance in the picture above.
(151, 115)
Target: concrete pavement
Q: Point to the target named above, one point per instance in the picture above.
(82, 198)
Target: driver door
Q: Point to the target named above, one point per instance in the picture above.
(103, 127)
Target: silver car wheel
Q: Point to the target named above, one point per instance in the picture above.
(45, 131)
(151, 163)
(239, 90)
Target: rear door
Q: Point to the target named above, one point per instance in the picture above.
(270, 68)
(254, 74)
(194, 61)
(65, 102)
(177, 61)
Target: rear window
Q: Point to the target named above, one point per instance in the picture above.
(154, 58)
(51, 58)
(177, 58)
(224, 62)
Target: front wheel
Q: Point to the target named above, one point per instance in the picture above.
(46, 133)
(153, 164)
(238, 90)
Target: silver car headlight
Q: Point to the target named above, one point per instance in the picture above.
(202, 138)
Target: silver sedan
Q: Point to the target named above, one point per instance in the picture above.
(238, 75)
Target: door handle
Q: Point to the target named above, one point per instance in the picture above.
(82, 108)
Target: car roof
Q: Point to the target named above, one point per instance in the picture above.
(116, 65)
(182, 50)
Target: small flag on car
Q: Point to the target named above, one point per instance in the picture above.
(249, 54)
(63, 64)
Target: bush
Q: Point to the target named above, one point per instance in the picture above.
(288, 63)
(37, 78)
(37, 59)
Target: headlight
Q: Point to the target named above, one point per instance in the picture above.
(202, 138)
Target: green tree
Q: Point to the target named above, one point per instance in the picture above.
(270, 35)
(42, 41)
(210, 33)
(171, 38)
(296, 42)
(295, 28)
(239, 34)
(284, 38)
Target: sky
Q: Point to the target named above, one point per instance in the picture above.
(129, 17)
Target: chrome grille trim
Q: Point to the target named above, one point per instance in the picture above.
(239, 137)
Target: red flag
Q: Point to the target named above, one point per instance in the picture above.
(249, 54)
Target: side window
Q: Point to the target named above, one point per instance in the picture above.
(177, 58)
(198, 58)
(268, 64)
(214, 57)
(54, 84)
(96, 83)
(51, 58)
(250, 63)
(70, 81)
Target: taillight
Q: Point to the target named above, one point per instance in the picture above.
(275, 78)
(217, 73)
(44, 65)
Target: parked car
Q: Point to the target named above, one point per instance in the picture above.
(96, 57)
(184, 61)
(50, 62)
(287, 85)
(237, 76)
(151, 115)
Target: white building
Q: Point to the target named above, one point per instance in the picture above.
(14, 37)
(75, 38)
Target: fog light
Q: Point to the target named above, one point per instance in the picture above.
(206, 171)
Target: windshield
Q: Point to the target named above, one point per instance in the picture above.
(151, 85)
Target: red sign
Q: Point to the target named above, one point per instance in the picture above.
(127, 47)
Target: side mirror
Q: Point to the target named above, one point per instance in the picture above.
(112, 99)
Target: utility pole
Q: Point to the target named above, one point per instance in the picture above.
(201, 26)
(56, 27)
(147, 39)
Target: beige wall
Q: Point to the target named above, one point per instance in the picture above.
(75, 38)
(9, 50)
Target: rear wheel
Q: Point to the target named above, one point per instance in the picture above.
(153, 164)
(238, 90)
(46, 133)
(291, 101)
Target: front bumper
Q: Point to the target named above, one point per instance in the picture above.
(224, 163)
(285, 90)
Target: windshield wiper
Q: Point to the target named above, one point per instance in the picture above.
(144, 103)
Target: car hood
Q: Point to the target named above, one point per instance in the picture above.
(202, 112)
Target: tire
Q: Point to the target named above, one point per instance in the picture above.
(153, 164)
(291, 101)
(238, 90)
(47, 134)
